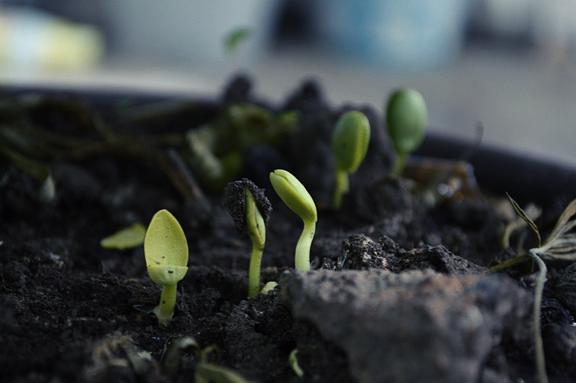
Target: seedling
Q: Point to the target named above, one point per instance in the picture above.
(166, 252)
(349, 145)
(297, 198)
(406, 119)
(250, 209)
(293, 362)
(560, 245)
(268, 287)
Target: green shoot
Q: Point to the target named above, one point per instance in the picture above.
(293, 361)
(235, 38)
(127, 238)
(349, 144)
(268, 287)
(406, 119)
(247, 204)
(166, 252)
(536, 317)
(297, 198)
(257, 232)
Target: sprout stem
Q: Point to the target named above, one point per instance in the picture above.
(399, 164)
(254, 271)
(538, 344)
(165, 310)
(342, 186)
(511, 262)
(302, 255)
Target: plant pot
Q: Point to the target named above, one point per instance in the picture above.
(398, 292)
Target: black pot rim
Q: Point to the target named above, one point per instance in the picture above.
(524, 176)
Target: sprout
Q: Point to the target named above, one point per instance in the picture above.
(250, 209)
(406, 118)
(293, 362)
(349, 145)
(166, 252)
(560, 245)
(268, 287)
(297, 198)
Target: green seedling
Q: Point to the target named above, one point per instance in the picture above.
(127, 238)
(250, 209)
(406, 119)
(293, 362)
(268, 287)
(166, 252)
(297, 198)
(349, 146)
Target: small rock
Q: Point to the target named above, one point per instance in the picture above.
(409, 327)
(237, 90)
(437, 258)
(326, 251)
(362, 253)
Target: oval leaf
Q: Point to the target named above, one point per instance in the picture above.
(406, 119)
(350, 140)
(165, 243)
(294, 194)
(127, 238)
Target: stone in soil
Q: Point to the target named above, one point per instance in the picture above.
(409, 327)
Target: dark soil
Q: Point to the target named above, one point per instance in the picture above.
(71, 311)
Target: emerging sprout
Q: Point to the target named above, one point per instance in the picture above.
(166, 252)
(297, 198)
(349, 145)
(293, 362)
(268, 287)
(406, 119)
(250, 209)
(127, 238)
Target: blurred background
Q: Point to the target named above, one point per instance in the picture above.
(510, 64)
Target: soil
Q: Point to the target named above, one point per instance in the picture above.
(72, 311)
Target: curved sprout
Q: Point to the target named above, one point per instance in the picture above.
(297, 198)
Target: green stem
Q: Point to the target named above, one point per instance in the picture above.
(538, 343)
(399, 164)
(509, 263)
(341, 188)
(254, 271)
(302, 255)
(165, 310)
